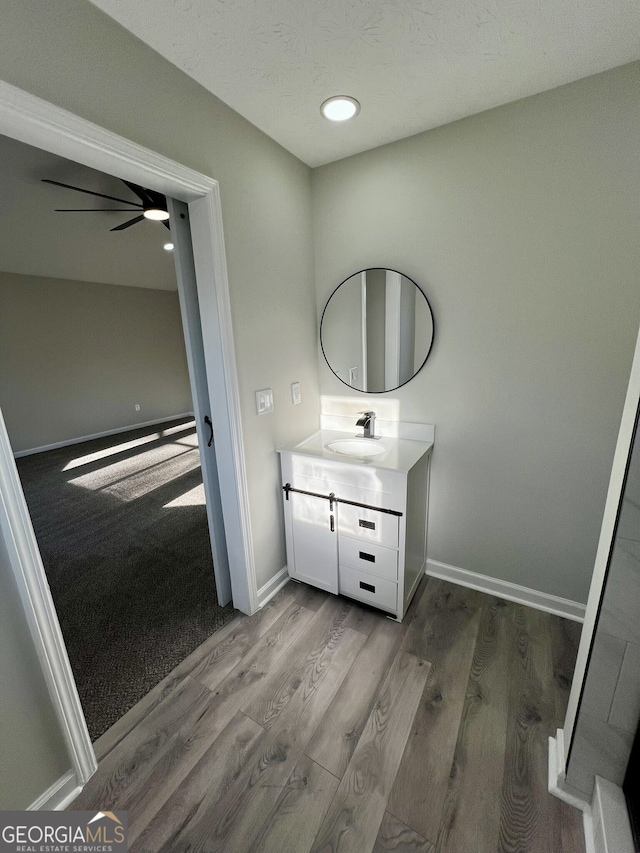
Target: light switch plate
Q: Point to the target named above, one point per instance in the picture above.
(296, 393)
(264, 401)
(353, 375)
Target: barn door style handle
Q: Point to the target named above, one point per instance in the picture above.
(207, 421)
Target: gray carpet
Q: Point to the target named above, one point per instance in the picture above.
(125, 544)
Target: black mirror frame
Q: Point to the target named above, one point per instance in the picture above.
(433, 325)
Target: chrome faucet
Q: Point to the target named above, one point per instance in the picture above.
(368, 424)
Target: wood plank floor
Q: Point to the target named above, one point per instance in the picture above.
(319, 726)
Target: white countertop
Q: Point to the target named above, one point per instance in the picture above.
(400, 454)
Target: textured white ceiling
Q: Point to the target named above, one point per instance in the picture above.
(79, 246)
(413, 64)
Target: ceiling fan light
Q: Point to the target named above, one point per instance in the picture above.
(155, 213)
(340, 108)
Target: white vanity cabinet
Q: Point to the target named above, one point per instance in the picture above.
(358, 527)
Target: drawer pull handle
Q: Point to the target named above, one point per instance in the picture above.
(368, 586)
(370, 525)
(370, 558)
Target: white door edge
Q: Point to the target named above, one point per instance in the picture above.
(30, 119)
(194, 346)
(207, 238)
(605, 546)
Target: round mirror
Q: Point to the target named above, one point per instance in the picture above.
(376, 330)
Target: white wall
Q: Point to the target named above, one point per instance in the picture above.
(76, 357)
(33, 753)
(520, 224)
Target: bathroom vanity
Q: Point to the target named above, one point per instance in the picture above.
(355, 514)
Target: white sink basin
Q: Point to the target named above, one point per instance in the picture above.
(361, 448)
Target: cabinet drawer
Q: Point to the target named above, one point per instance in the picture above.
(376, 591)
(375, 559)
(369, 524)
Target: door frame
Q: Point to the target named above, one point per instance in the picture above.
(37, 122)
(606, 542)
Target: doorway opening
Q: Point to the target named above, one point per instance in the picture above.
(98, 401)
(30, 119)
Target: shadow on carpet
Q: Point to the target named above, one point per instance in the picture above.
(122, 529)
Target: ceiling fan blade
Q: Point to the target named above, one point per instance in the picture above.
(144, 195)
(158, 198)
(91, 192)
(149, 198)
(128, 224)
(92, 210)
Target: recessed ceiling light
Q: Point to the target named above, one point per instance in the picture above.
(340, 108)
(168, 247)
(155, 213)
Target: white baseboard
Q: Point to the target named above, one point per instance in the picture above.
(605, 819)
(266, 592)
(558, 786)
(510, 591)
(106, 432)
(557, 782)
(59, 795)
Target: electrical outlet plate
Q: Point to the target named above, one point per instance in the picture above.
(296, 393)
(264, 401)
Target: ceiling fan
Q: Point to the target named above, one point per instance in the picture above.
(152, 205)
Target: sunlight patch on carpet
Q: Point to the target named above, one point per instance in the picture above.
(122, 447)
(194, 497)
